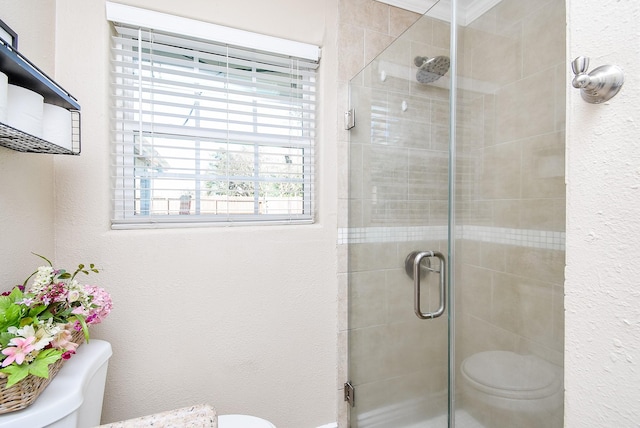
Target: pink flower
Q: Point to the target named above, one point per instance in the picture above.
(62, 340)
(67, 355)
(19, 351)
(100, 304)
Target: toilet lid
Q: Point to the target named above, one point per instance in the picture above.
(242, 421)
(511, 375)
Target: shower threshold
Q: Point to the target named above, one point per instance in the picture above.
(463, 420)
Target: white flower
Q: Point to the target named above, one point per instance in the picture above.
(26, 331)
(43, 336)
(43, 278)
(74, 296)
(44, 275)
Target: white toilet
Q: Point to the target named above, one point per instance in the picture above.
(243, 421)
(513, 382)
(73, 399)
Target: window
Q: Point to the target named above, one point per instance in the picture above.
(209, 132)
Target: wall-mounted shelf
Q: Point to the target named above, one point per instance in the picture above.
(20, 141)
(21, 72)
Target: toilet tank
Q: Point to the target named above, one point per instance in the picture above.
(73, 399)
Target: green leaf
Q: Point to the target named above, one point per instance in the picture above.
(10, 317)
(16, 294)
(36, 310)
(85, 327)
(15, 373)
(44, 258)
(5, 337)
(40, 366)
(5, 302)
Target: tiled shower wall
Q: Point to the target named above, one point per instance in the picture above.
(511, 183)
(512, 155)
(397, 203)
(510, 187)
(366, 28)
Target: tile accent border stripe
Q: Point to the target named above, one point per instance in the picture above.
(550, 240)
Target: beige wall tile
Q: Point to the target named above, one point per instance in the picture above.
(495, 58)
(501, 172)
(468, 252)
(351, 50)
(368, 346)
(506, 213)
(489, 109)
(364, 257)
(507, 302)
(493, 256)
(544, 265)
(525, 108)
(541, 32)
(560, 82)
(343, 260)
(356, 213)
(476, 335)
(343, 178)
(399, 295)
(356, 171)
(427, 175)
(535, 310)
(474, 287)
(343, 301)
(543, 214)
(374, 44)
(400, 20)
(557, 341)
(367, 304)
(420, 31)
(441, 34)
(366, 14)
(438, 212)
(386, 172)
(543, 166)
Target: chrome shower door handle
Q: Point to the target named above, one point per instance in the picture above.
(416, 258)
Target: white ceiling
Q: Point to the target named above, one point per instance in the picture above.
(468, 10)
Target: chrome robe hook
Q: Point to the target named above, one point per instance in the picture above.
(598, 86)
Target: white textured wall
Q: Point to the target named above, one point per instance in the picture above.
(602, 301)
(243, 318)
(26, 180)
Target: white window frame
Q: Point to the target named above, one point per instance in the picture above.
(126, 216)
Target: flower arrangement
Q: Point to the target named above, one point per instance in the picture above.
(37, 322)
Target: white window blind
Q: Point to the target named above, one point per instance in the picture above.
(209, 132)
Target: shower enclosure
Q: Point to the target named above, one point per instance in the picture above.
(456, 221)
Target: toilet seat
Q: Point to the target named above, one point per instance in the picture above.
(510, 375)
(243, 421)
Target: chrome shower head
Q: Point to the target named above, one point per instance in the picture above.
(431, 69)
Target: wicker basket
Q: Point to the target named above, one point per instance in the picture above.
(25, 392)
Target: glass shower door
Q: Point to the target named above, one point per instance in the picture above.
(509, 210)
(490, 199)
(398, 208)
